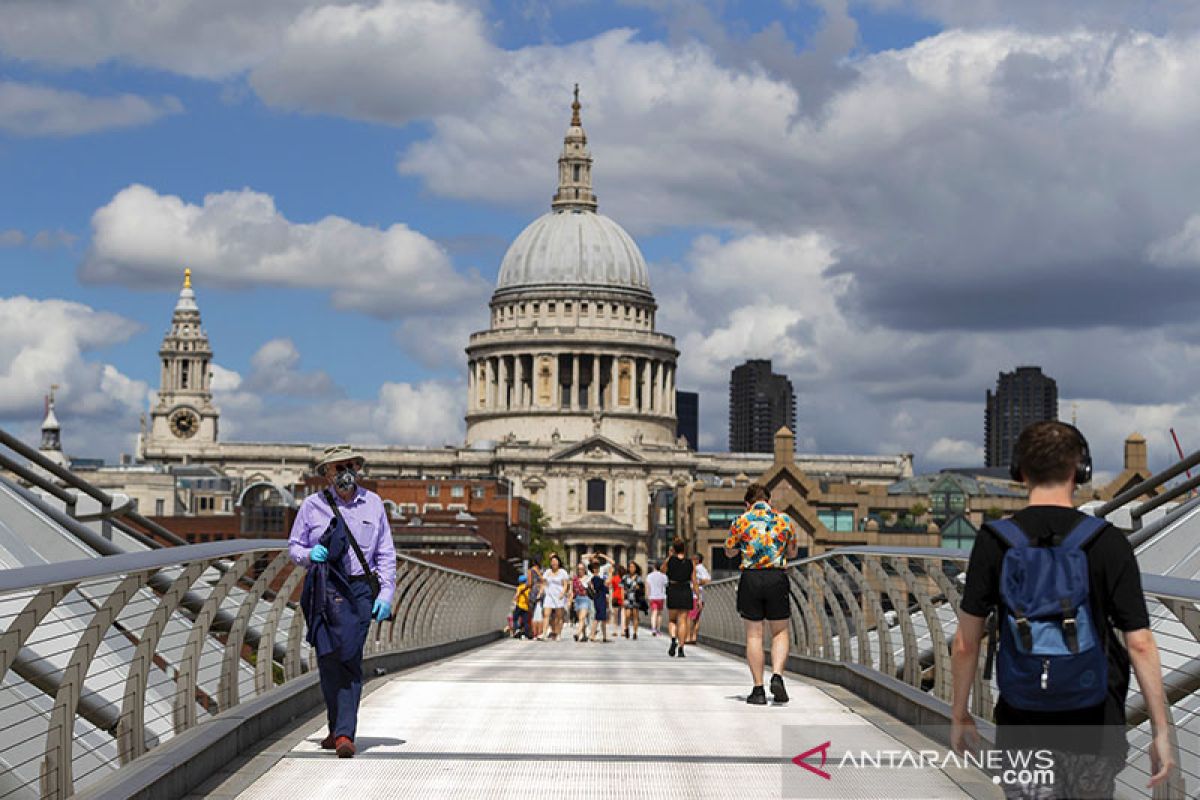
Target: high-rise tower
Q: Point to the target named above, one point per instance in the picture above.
(1022, 397)
(760, 403)
(184, 419)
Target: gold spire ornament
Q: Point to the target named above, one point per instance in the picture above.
(575, 120)
(187, 278)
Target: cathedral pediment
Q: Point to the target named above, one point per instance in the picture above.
(596, 449)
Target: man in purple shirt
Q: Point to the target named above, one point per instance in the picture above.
(367, 522)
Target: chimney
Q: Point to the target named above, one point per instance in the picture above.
(785, 446)
(1135, 453)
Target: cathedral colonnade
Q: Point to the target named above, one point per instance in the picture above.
(578, 380)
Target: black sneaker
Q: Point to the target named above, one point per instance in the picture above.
(757, 697)
(777, 691)
(672, 648)
(680, 653)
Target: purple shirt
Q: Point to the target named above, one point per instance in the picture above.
(368, 522)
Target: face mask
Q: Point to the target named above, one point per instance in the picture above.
(344, 482)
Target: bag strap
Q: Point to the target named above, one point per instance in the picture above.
(349, 534)
(1084, 532)
(1009, 532)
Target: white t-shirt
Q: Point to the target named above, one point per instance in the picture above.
(556, 588)
(656, 585)
(702, 574)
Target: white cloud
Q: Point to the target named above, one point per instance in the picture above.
(199, 38)
(48, 342)
(239, 239)
(393, 61)
(32, 110)
(958, 452)
(274, 372)
(275, 402)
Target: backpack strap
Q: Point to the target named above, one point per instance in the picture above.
(1009, 532)
(1084, 532)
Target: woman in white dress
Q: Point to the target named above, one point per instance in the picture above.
(554, 599)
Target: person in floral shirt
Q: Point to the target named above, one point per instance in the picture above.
(765, 539)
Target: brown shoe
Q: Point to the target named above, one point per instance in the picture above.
(344, 747)
(329, 742)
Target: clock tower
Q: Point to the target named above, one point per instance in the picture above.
(183, 423)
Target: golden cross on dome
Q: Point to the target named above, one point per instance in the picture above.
(187, 278)
(575, 108)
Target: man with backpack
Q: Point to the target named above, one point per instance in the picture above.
(1062, 584)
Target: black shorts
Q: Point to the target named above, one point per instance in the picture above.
(764, 594)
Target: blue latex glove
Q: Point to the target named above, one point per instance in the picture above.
(319, 554)
(381, 610)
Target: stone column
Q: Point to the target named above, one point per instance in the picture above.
(575, 381)
(612, 383)
(671, 390)
(519, 369)
(594, 389)
(470, 386)
(488, 402)
(556, 395)
(646, 386)
(502, 383)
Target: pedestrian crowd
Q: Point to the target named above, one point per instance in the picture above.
(603, 600)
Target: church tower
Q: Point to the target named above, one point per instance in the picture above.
(184, 420)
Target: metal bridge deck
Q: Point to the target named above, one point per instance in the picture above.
(538, 719)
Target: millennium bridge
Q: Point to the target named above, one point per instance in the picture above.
(133, 664)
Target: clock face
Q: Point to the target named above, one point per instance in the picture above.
(184, 423)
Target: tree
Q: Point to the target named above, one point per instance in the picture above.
(993, 512)
(541, 545)
(918, 510)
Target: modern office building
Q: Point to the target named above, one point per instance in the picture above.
(760, 403)
(1022, 397)
(687, 418)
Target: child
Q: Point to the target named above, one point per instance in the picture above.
(521, 612)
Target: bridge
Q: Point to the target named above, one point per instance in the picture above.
(135, 665)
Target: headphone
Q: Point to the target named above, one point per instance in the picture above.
(1083, 469)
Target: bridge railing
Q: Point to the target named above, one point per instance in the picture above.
(893, 612)
(104, 660)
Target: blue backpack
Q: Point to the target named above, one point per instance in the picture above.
(1052, 654)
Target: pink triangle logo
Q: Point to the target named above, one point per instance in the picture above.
(800, 760)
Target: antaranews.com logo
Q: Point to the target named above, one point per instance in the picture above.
(856, 762)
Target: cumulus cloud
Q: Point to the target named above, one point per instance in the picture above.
(394, 61)
(239, 239)
(277, 402)
(50, 342)
(32, 110)
(1040, 15)
(274, 371)
(199, 38)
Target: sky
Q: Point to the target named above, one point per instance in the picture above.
(894, 200)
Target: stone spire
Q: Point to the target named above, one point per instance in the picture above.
(51, 445)
(575, 168)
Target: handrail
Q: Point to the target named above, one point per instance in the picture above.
(103, 670)
(892, 611)
(1153, 482)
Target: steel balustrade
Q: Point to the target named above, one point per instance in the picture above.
(840, 598)
(115, 635)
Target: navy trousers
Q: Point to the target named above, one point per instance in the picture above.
(341, 680)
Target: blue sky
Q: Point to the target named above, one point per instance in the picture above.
(881, 173)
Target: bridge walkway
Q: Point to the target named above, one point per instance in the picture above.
(520, 719)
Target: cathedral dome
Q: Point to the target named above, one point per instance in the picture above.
(574, 247)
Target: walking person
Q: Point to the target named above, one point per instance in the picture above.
(764, 539)
(1062, 672)
(581, 601)
(635, 597)
(681, 587)
(599, 587)
(703, 578)
(536, 591)
(617, 614)
(342, 535)
(554, 595)
(656, 593)
(521, 623)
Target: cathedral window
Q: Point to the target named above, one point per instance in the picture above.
(576, 173)
(183, 374)
(596, 491)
